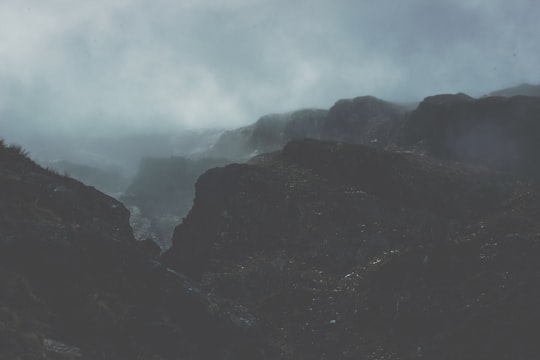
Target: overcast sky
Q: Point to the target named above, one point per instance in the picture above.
(110, 65)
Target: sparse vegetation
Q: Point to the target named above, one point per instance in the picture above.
(14, 149)
(19, 150)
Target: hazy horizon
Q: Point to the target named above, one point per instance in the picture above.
(116, 66)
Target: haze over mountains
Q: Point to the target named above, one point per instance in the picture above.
(369, 230)
(476, 131)
(122, 67)
(124, 151)
(251, 179)
(523, 89)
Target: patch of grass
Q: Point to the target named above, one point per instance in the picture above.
(19, 150)
(14, 149)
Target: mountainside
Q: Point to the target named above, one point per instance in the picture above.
(269, 133)
(351, 252)
(368, 231)
(362, 120)
(498, 132)
(75, 284)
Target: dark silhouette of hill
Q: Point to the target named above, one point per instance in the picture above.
(75, 284)
(352, 252)
(371, 230)
(362, 120)
(499, 132)
(496, 132)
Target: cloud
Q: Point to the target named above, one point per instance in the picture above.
(133, 65)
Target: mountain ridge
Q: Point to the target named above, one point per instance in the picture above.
(347, 262)
(369, 230)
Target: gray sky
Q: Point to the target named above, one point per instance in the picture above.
(108, 65)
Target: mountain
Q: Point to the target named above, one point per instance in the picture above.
(76, 285)
(523, 89)
(498, 132)
(268, 133)
(370, 230)
(362, 120)
(495, 131)
(350, 252)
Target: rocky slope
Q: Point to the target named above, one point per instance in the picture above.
(75, 284)
(349, 252)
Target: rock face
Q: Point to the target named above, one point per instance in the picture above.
(498, 132)
(362, 120)
(74, 283)
(351, 252)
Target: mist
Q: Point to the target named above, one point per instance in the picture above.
(120, 68)
(263, 179)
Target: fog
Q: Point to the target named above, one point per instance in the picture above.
(111, 67)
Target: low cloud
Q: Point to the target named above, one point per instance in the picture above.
(128, 66)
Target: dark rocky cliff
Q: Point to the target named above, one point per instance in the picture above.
(362, 120)
(75, 284)
(417, 242)
(499, 132)
(350, 252)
